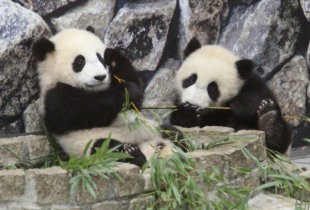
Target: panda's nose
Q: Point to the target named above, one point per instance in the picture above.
(100, 77)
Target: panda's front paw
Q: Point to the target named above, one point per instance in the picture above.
(130, 149)
(137, 157)
(191, 109)
(267, 106)
(190, 106)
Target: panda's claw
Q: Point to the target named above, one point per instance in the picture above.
(130, 148)
(266, 106)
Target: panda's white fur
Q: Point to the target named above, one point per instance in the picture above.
(56, 68)
(145, 134)
(222, 69)
(211, 75)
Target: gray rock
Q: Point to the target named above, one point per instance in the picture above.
(46, 7)
(290, 87)
(305, 5)
(25, 3)
(12, 185)
(18, 81)
(160, 90)
(308, 93)
(13, 127)
(266, 32)
(308, 56)
(271, 202)
(238, 2)
(139, 31)
(32, 118)
(97, 14)
(201, 19)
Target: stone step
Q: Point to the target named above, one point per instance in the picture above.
(49, 188)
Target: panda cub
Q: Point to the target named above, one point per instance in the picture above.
(83, 90)
(213, 76)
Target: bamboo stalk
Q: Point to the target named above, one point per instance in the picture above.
(174, 107)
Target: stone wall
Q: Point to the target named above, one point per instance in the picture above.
(153, 34)
(49, 188)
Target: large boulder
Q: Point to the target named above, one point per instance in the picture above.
(18, 80)
(290, 87)
(160, 90)
(201, 19)
(139, 31)
(308, 93)
(97, 14)
(308, 56)
(266, 32)
(305, 5)
(46, 7)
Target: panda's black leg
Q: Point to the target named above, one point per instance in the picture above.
(133, 150)
(278, 136)
(113, 143)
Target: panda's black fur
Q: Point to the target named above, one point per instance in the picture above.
(253, 106)
(80, 106)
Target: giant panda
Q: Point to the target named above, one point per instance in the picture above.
(211, 75)
(84, 86)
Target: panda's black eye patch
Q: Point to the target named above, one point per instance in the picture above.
(213, 91)
(100, 58)
(78, 63)
(189, 81)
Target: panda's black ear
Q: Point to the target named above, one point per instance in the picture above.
(90, 29)
(192, 46)
(245, 68)
(113, 58)
(41, 48)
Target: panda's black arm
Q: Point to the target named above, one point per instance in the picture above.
(68, 108)
(245, 104)
(214, 117)
(185, 116)
(133, 84)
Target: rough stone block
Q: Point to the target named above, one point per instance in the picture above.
(271, 202)
(253, 140)
(82, 196)
(68, 208)
(206, 135)
(141, 202)
(12, 151)
(38, 147)
(112, 205)
(209, 159)
(27, 207)
(51, 185)
(12, 185)
(148, 187)
(132, 182)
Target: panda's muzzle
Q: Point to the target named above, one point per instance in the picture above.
(100, 77)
